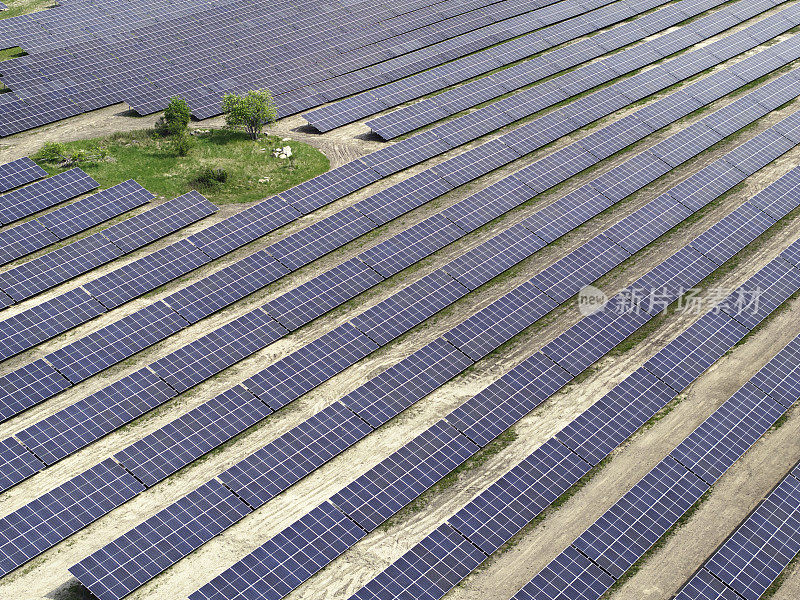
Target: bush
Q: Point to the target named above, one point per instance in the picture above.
(175, 119)
(249, 112)
(181, 144)
(208, 178)
(52, 152)
(69, 157)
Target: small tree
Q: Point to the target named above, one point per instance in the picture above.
(249, 112)
(175, 119)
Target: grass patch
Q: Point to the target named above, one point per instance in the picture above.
(251, 169)
(24, 7)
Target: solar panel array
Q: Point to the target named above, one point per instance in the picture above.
(19, 172)
(39, 195)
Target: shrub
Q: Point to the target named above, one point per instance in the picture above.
(181, 144)
(208, 178)
(70, 157)
(249, 112)
(52, 152)
(175, 119)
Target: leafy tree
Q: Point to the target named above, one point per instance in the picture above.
(175, 119)
(249, 112)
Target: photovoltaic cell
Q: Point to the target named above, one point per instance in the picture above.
(132, 559)
(569, 575)
(19, 172)
(779, 377)
(704, 586)
(17, 463)
(43, 194)
(27, 386)
(385, 205)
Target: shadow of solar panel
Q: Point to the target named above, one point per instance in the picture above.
(70, 507)
(149, 548)
(88, 420)
(401, 385)
(487, 414)
(700, 346)
(58, 266)
(624, 533)
(505, 507)
(27, 386)
(117, 341)
(616, 416)
(95, 209)
(39, 323)
(720, 440)
(427, 571)
(244, 227)
(293, 376)
(287, 459)
(179, 442)
(223, 287)
(19, 172)
(500, 321)
(569, 575)
(753, 557)
(37, 196)
(217, 350)
(288, 559)
(17, 463)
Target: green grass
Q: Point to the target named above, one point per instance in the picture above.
(151, 161)
(24, 7)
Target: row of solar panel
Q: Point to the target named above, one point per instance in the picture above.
(351, 109)
(761, 547)
(503, 509)
(621, 536)
(292, 456)
(231, 233)
(189, 366)
(19, 172)
(117, 83)
(272, 569)
(37, 196)
(58, 225)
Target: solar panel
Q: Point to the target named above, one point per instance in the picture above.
(568, 212)
(410, 306)
(179, 442)
(149, 548)
(557, 167)
(426, 572)
(95, 209)
(732, 233)
(706, 185)
(117, 341)
(215, 351)
(288, 559)
(780, 197)
(727, 434)
(293, 376)
(770, 287)
(17, 463)
(383, 206)
(475, 162)
(668, 109)
(27, 386)
(624, 533)
(704, 586)
(70, 507)
(157, 222)
(336, 183)
(23, 239)
(50, 318)
(753, 154)
(646, 224)
(43, 194)
(753, 557)
(404, 475)
(505, 507)
(569, 575)
(19, 172)
(778, 377)
(685, 144)
(500, 321)
(595, 432)
(493, 201)
(498, 406)
(86, 421)
(634, 174)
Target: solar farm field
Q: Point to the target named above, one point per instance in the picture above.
(534, 335)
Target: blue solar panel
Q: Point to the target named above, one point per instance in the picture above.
(759, 150)
(405, 383)
(19, 172)
(410, 306)
(780, 197)
(493, 201)
(475, 162)
(134, 558)
(23, 239)
(665, 110)
(624, 533)
(43, 194)
(557, 167)
(685, 144)
(179, 442)
(117, 341)
(27, 386)
(487, 414)
(426, 572)
(706, 185)
(17, 463)
(644, 226)
(624, 180)
(569, 575)
(324, 189)
(704, 586)
(753, 557)
(41, 524)
(293, 376)
(594, 433)
(563, 215)
(89, 419)
(513, 501)
(385, 205)
(404, 475)
(770, 287)
(288, 559)
(39, 323)
(778, 377)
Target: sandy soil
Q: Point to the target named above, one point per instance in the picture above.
(47, 575)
